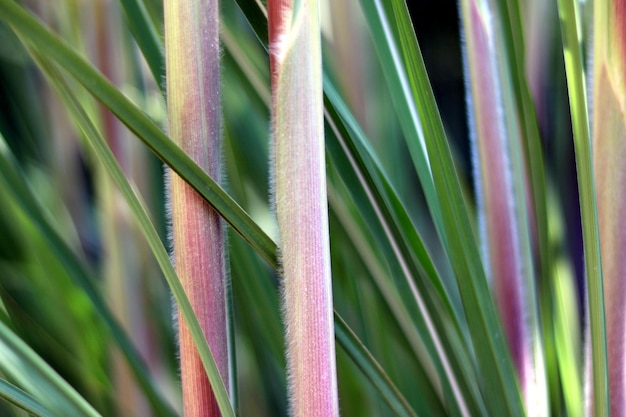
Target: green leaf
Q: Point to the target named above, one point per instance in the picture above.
(387, 42)
(512, 44)
(417, 280)
(571, 32)
(568, 339)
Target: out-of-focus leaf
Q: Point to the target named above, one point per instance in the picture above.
(148, 39)
(78, 272)
(36, 377)
(509, 28)
(567, 335)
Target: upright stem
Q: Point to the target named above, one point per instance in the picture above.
(193, 102)
(301, 205)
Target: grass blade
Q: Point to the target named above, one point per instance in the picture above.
(400, 83)
(364, 360)
(393, 31)
(23, 400)
(571, 30)
(147, 37)
(22, 364)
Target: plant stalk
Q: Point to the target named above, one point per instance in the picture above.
(301, 205)
(193, 102)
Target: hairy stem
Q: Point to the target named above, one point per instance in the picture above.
(301, 206)
(192, 67)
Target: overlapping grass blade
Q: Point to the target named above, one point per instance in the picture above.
(23, 400)
(416, 278)
(351, 343)
(400, 84)
(393, 33)
(35, 33)
(32, 373)
(79, 273)
(141, 215)
(571, 32)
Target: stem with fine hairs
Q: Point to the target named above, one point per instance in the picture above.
(301, 206)
(193, 103)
